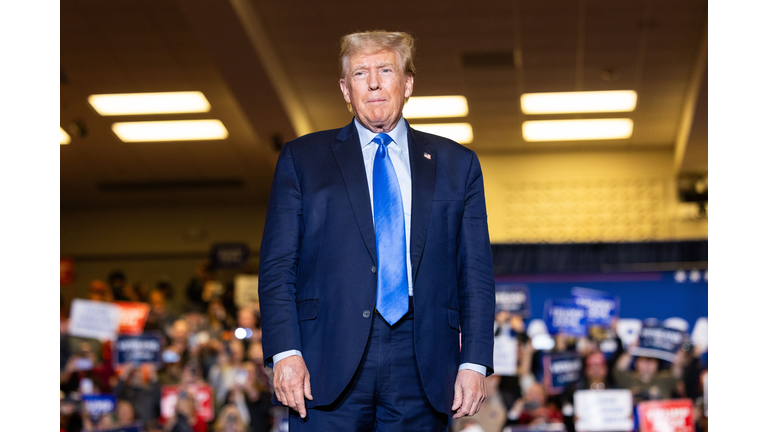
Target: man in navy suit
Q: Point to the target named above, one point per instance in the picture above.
(346, 356)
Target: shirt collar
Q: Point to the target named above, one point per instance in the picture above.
(399, 134)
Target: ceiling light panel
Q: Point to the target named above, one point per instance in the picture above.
(577, 130)
(149, 103)
(579, 102)
(179, 130)
(459, 132)
(435, 107)
(63, 137)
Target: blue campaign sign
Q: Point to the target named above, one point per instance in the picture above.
(658, 342)
(564, 316)
(513, 298)
(601, 306)
(229, 255)
(98, 405)
(143, 348)
(560, 369)
(136, 427)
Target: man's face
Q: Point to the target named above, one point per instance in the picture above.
(376, 87)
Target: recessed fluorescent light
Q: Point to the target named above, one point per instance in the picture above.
(579, 102)
(63, 137)
(178, 130)
(436, 106)
(575, 130)
(149, 103)
(459, 132)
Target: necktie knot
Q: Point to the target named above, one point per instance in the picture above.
(382, 138)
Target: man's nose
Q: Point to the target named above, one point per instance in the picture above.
(374, 81)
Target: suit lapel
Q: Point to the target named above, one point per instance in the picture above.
(349, 158)
(422, 155)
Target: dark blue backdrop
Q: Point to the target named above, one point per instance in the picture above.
(659, 295)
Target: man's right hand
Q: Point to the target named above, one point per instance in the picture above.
(291, 381)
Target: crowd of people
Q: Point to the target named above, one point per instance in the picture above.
(215, 345)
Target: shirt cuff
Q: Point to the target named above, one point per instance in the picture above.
(471, 366)
(279, 356)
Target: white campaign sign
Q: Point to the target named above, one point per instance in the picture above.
(603, 410)
(246, 290)
(94, 319)
(505, 354)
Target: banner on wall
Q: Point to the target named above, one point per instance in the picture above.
(133, 316)
(229, 255)
(93, 319)
(143, 348)
(203, 394)
(603, 410)
(559, 370)
(514, 298)
(564, 316)
(658, 342)
(601, 306)
(675, 415)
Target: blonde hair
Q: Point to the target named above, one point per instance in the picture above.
(377, 40)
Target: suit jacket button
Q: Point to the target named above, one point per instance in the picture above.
(373, 269)
(366, 314)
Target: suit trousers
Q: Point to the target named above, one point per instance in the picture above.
(384, 395)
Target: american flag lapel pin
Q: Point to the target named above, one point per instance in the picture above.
(427, 155)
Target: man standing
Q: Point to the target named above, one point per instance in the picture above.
(376, 278)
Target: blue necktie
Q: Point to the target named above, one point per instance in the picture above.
(392, 282)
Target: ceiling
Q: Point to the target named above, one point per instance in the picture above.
(270, 72)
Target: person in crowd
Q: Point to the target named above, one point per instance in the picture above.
(142, 290)
(320, 328)
(143, 395)
(79, 376)
(534, 408)
(595, 376)
(229, 420)
(121, 289)
(99, 291)
(166, 287)
(252, 397)
(201, 287)
(185, 417)
(159, 317)
(222, 375)
(647, 382)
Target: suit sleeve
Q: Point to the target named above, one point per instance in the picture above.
(279, 258)
(475, 275)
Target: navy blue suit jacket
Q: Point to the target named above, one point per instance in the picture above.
(317, 280)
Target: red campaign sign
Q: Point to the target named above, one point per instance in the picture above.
(675, 415)
(133, 316)
(169, 395)
(67, 271)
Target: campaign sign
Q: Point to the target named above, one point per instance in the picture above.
(603, 410)
(93, 319)
(133, 316)
(203, 394)
(513, 298)
(505, 354)
(135, 427)
(674, 415)
(98, 405)
(559, 370)
(246, 290)
(137, 349)
(564, 316)
(658, 342)
(602, 307)
(229, 255)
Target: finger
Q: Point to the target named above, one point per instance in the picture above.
(299, 400)
(457, 397)
(307, 387)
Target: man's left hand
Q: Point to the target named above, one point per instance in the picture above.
(468, 393)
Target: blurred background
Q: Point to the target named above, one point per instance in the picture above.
(183, 218)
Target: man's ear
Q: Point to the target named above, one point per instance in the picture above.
(344, 90)
(408, 85)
